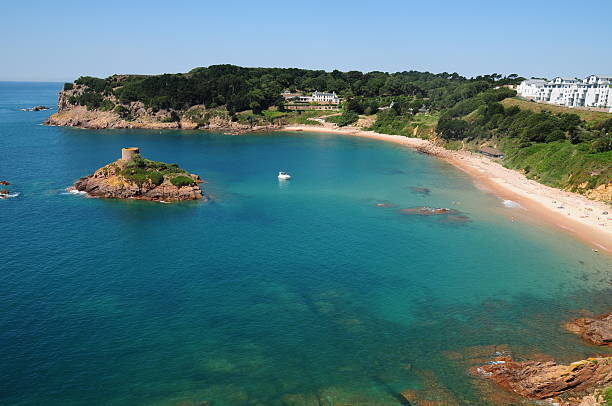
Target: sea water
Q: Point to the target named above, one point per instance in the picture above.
(315, 291)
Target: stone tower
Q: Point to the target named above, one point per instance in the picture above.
(128, 153)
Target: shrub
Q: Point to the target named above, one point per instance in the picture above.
(95, 84)
(180, 181)
(68, 86)
(123, 112)
(344, 119)
(107, 105)
(140, 176)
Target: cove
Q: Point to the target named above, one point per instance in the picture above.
(293, 293)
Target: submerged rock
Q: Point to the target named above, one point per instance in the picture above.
(133, 177)
(596, 330)
(428, 211)
(420, 190)
(541, 380)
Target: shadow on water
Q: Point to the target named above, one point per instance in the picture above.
(352, 357)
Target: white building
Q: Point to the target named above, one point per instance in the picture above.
(317, 97)
(329, 98)
(593, 91)
(530, 88)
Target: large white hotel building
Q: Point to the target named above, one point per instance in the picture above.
(594, 91)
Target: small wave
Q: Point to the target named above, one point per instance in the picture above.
(512, 204)
(74, 192)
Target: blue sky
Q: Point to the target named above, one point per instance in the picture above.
(61, 40)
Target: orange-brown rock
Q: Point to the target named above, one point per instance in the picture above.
(139, 178)
(540, 380)
(596, 330)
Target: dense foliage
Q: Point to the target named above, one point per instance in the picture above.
(257, 89)
(140, 171)
(182, 180)
(344, 119)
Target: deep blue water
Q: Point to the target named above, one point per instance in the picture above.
(296, 293)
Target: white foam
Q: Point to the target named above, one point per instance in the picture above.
(74, 192)
(511, 204)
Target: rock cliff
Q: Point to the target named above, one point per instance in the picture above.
(78, 106)
(139, 178)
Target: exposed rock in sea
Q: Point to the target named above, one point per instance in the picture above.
(133, 177)
(541, 380)
(36, 108)
(596, 330)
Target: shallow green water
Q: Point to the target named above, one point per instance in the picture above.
(296, 293)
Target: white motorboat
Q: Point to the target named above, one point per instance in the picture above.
(284, 176)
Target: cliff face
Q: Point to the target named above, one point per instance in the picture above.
(108, 112)
(141, 179)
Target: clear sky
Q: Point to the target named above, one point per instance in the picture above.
(60, 40)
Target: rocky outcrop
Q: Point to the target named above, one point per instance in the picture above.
(137, 115)
(541, 380)
(602, 192)
(142, 179)
(36, 108)
(596, 330)
(79, 116)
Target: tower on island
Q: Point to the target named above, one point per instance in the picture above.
(128, 153)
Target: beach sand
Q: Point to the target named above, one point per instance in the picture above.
(571, 212)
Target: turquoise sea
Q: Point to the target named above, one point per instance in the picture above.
(271, 293)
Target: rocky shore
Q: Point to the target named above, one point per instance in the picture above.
(136, 115)
(579, 383)
(544, 380)
(133, 177)
(596, 330)
(79, 116)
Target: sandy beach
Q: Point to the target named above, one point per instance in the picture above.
(571, 212)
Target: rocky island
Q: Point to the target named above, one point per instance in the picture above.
(134, 177)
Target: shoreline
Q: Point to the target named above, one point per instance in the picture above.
(571, 212)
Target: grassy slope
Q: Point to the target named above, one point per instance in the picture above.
(423, 123)
(559, 164)
(590, 117)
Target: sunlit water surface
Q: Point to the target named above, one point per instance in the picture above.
(306, 292)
